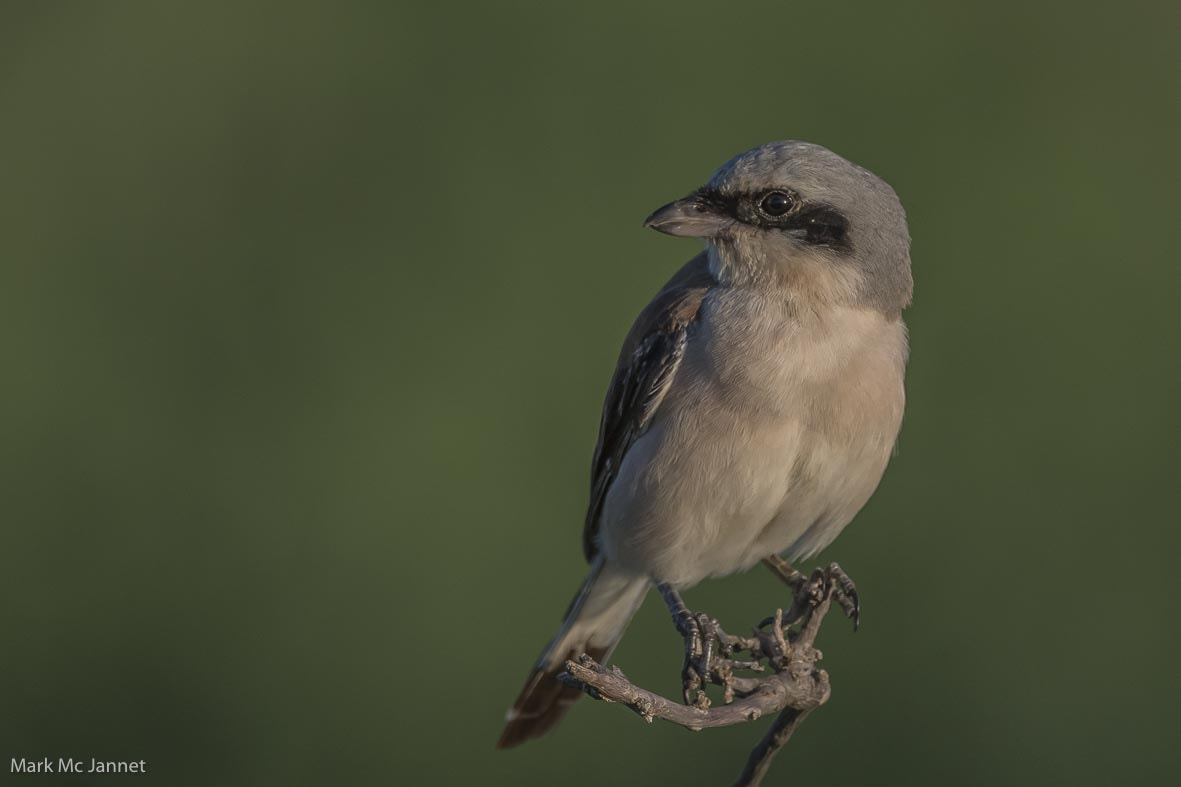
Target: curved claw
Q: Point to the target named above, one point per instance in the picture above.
(690, 682)
(845, 593)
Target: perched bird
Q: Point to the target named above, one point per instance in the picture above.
(756, 401)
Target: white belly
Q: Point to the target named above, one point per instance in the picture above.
(758, 454)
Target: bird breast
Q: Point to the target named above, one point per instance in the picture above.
(775, 431)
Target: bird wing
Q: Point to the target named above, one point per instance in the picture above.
(647, 364)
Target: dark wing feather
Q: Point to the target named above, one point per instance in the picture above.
(647, 364)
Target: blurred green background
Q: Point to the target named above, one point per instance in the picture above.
(306, 313)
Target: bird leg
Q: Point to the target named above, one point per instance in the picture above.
(700, 632)
(843, 591)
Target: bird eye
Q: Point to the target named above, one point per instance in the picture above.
(776, 203)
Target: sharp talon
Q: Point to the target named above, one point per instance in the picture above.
(845, 593)
(690, 682)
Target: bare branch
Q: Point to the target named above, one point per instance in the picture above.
(783, 646)
(776, 738)
(770, 695)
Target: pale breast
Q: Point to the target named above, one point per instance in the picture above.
(775, 422)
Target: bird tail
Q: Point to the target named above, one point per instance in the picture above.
(594, 624)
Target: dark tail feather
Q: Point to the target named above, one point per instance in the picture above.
(540, 705)
(593, 625)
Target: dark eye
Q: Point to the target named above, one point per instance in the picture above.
(776, 203)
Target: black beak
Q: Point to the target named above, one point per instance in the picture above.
(691, 217)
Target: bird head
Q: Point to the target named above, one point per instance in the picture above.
(797, 213)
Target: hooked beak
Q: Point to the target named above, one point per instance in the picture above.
(691, 217)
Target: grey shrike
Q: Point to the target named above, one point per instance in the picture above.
(755, 403)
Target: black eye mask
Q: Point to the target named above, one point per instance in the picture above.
(817, 224)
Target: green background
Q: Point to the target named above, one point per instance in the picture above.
(306, 314)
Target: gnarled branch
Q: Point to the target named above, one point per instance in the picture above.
(782, 646)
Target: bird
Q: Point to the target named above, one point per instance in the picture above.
(755, 403)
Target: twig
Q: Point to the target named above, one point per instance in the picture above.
(794, 687)
(776, 738)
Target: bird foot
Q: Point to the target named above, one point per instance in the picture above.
(700, 633)
(809, 591)
(844, 592)
(702, 636)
